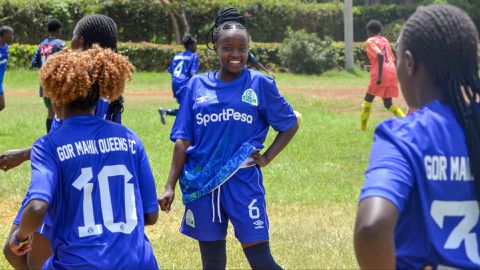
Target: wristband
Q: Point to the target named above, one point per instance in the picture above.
(21, 243)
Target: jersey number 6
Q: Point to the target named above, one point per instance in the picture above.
(82, 182)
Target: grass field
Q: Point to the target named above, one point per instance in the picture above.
(312, 187)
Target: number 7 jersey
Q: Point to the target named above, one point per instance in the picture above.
(420, 164)
(96, 177)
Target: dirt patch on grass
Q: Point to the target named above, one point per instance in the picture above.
(344, 94)
(332, 93)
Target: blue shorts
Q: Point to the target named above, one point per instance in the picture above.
(45, 229)
(1, 89)
(241, 200)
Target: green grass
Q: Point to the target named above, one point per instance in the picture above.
(312, 187)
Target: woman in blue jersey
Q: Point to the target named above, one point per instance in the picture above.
(6, 37)
(91, 177)
(419, 204)
(183, 66)
(91, 29)
(218, 133)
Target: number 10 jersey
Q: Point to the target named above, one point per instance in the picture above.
(96, 177)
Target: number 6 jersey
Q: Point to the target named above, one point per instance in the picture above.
(420, 164)
(97, 180)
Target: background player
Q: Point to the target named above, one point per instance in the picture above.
(99, 29)
(108, 170)
(6, 37)
(383, 77)
(90, 29)
(419, 204)
(183, 67)
(47, 47)
(220, 128)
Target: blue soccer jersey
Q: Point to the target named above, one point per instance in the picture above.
(46, 48)
(219, 117)
(3, 64)
(101, 110)
(420, 163)
(183, 66)
(96, 177)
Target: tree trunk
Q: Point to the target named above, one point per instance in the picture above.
(173, 20)
(184, 17)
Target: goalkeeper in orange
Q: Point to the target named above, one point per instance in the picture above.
(383, 76)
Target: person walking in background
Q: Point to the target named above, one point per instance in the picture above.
(47, 47)
(6, 37)
(383, 76)
(183, 67)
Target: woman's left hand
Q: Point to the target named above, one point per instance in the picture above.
(258, 159)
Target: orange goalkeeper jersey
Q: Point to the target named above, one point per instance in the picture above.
(375, 45)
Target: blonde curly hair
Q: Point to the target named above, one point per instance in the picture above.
(73, 75)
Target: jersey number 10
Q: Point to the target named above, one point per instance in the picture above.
(82, 183)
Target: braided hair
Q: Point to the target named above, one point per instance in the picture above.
(98, 28)
(227, 18)
(445, 39)
(102, 30)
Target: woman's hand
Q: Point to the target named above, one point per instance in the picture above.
(166, 199)
(20, 247)
(258, 159)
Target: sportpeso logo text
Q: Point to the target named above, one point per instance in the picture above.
(226, 115)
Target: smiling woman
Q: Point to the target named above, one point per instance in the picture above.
(219, 132)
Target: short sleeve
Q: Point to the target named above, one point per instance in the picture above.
(146, 181)
(372, 49)
(59, 46)
(389, 174)
(194, 69)
(183, 126)
(170, 68)
(276, 110)
(45, 173)
(36, 58)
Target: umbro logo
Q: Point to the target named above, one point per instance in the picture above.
(258, 224)
(202, 99)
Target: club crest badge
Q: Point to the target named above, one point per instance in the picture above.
(250, 97)
(189, 219)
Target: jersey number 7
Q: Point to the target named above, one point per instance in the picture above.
(463, 231)
(82, 183)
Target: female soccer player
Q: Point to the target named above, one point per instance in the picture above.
(91, 29)
(383, 77)
(90, 176)
(218, 133)
(6, 37)
(47, 47)
(96, 28)
(419, 204)
(184, 66)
